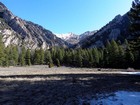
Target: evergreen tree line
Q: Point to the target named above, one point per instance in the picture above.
(114, 55)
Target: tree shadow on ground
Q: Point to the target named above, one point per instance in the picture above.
(62, 89)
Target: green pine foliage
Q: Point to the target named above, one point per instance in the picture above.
(57, 63)
(41, 51)
(113, 55)
(121, 57)
(78, 60)
(22, 60)
(134, 16)
(2, 54)
(6, 62)
(95, 57)
(13, 55)
(48, 58)
(28, 57)
(37, 57)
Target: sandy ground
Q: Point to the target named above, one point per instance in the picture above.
(40, 85)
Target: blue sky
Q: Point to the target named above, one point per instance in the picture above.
(63, 16)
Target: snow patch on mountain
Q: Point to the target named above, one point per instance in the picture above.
(66, 36)
(74, 38)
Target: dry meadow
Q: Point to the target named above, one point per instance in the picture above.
(40, 85)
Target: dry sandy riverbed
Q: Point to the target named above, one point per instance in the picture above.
(40, 85)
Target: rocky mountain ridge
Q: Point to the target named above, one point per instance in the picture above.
(25, 32)
(117, 29)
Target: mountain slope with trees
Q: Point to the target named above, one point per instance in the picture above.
(115, 53)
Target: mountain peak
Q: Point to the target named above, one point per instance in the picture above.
(73, 38)
(65, 36)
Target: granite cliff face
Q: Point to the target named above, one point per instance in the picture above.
(9, 36)
(117, 29)
(25, 32)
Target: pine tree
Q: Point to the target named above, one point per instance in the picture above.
(121, 58)
(14, 55)
(107, 52)
(57, 63)
(79, 60)
(91, 59)
(105, 58)
(2, 55)
(108, 47)
(129, 57)
(6, 51)
(22, 56)
(134, 15)
(96, 56)
(86, 58)
(53, 53)
(59, 55)
(41, 56)
(48, 58)
(101, 57)
(114, 54)
(28, 57)
(37, 57)
(68, 58)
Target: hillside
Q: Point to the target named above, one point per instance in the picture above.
(25, 32)
(117, 29)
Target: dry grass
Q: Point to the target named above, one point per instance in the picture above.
(40, 85)
(45, 70)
